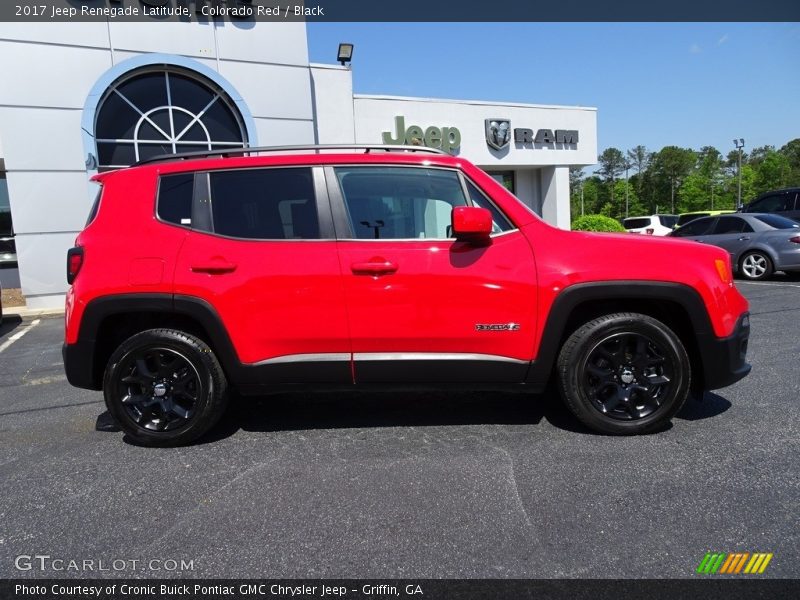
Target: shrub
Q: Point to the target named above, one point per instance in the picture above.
(596, 223)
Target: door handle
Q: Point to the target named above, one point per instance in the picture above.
(214, 268)
(743, 239)
(374, 267)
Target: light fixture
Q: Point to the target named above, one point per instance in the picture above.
(345, 53)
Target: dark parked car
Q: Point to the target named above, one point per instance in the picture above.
(759, 243)
(786, 203)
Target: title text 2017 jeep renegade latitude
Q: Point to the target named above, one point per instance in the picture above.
(333, 268)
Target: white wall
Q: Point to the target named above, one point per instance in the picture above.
(44, 90)
(332, 89)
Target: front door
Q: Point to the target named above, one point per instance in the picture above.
(422, 306)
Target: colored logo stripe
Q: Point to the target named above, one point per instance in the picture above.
(733, 563)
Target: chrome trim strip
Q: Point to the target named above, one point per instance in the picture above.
(399, 356)
(293, 358)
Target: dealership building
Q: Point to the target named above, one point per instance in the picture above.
(78, 98)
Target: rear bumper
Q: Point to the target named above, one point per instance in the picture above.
(724, 359)
(79, 365)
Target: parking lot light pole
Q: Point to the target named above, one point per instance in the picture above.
(739, 144)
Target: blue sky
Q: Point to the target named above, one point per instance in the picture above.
(657, 84)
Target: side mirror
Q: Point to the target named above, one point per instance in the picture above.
(471, 223)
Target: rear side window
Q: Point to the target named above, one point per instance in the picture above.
(636, 223)
(778, 222)
(264, 204)
(175, 198)
(731, 225)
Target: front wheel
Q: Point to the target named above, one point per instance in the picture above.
(624, 374)
(756, 265)
(164, 387)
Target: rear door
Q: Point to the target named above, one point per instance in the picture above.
(260, 252)
(422, 306)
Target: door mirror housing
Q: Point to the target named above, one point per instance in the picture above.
(471, 223)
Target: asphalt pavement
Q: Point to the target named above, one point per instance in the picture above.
(423, 485)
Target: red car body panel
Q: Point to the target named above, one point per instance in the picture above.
(281, 298)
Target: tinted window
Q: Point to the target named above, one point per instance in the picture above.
(175, 198)
(636, 223)
(778, 222)
(684, 219)
(773, 203)
(698, 227)
(400, 202)
(668, 220)
(731, 225)
(499, 221)
(265, 204)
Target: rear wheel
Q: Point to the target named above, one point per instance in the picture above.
(756, 265)
(624, 373)
(165, 387)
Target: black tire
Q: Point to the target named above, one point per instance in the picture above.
(756, 265)
(165, 387)
(624, 374)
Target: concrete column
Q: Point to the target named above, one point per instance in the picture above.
(555, 196)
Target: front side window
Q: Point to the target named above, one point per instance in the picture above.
(774, 203)
(778, 222)
(400, 202)
(264, 204)
(499, 220)
(698, 227)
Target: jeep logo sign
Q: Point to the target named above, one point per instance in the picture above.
(444, 138)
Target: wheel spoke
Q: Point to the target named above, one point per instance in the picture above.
(144, 371)
(656, 379)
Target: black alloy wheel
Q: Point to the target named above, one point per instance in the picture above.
(624, 373)
(165, 387)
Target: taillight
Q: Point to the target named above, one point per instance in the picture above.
(650, 231)
(795, 239)
(74, 263)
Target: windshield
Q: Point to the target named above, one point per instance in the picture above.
(668, 220)
(684, 219)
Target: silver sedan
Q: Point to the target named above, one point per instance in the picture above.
(759, 243)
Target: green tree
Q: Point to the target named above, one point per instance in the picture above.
(672, 164)
(612, 165)
(773, 171)
(639, 159)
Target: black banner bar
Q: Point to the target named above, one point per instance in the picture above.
(400, 11)
(707, 588)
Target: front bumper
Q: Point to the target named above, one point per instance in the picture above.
(724, 358)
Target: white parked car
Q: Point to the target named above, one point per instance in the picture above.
(652, 225)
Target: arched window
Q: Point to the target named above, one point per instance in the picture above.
(161, 111)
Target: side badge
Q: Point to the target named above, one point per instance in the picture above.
(497, 326)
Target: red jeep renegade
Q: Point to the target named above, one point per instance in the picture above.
(276, 269)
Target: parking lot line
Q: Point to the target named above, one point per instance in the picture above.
(18, 335)
(775, 284)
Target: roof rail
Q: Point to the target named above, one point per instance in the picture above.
(367, 148)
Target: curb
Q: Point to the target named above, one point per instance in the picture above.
(29, 313)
